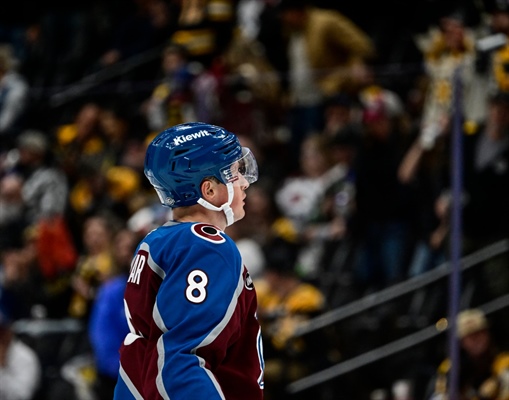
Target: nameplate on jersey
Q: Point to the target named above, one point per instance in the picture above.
(137, 265)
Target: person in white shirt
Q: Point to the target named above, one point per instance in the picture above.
(20, 369)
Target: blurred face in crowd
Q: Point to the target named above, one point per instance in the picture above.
(294, 18)
(6, 335)
(30, 157)
(379, 125)
(10, 189)
(454, 33)
(338, 115)
(476, 344)
(124, 246)
(500, 22)
(114, 127)
(87, 120)
(16, 264)
(96, 235)
(498, 118)
(173, 60)
(313, 158)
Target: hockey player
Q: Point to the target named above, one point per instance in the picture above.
(189, 301)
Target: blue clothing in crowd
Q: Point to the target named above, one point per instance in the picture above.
(108, 325)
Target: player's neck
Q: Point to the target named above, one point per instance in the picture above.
(200, 214)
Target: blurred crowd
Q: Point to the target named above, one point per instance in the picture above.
(350, 116)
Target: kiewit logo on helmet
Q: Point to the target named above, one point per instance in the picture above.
(185, 138)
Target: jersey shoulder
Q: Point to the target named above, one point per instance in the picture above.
(173, 236)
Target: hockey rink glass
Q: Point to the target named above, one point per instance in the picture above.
(245, 166)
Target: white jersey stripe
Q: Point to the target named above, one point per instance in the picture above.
(152, 264)
(229, 312)
(137, 395)
(212, 377)
(160, 364)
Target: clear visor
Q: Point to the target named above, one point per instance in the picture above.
(245, 166)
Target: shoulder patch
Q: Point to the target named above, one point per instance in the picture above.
(208, 232)
(248, 282)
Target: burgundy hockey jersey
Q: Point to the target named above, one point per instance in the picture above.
(191, 309)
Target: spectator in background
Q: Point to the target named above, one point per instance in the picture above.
(20, 369)
(149, 26)
(259, 224)
(484, 367)
(14, 22)
(80, 141)
(336, 214)
(108, 324)
(494, 59)
(425, 169)
(340, 112)
(486, 183)
(11, 201)
(14, 98)
(284, 302)
(172, 100)
(331, 44)
(92, 150)
(205, 28)
(58, 45)
(42, 193)
(450, 59)
(19, 282)
(125, 133)
(110, 188)
(119, 177)
(299, 199)
(248, 17)
(95, 265)
(45, 188)
(327, 54)
(250, 89)
(39, 250)
(382, 225)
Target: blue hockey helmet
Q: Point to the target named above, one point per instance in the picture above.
(181, 157)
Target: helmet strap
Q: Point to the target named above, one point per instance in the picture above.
(228, 212)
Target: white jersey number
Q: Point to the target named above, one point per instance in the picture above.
(197, 281)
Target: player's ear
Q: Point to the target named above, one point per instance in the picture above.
(209, 189)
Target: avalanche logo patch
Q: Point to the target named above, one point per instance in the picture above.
(248, 282)
(208, 232)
